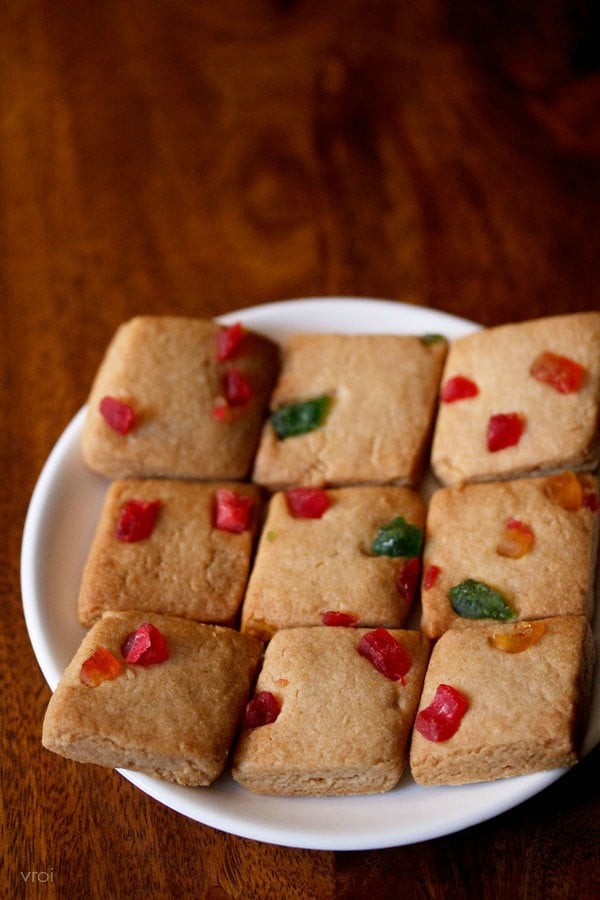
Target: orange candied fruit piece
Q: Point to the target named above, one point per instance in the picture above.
(560, 372)
(565, 490)
(516, 540)
(521, 637)
(100, 666)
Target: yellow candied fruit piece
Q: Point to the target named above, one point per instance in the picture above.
(523, 636)
(565, 490)
(258, 628)
(516, 541)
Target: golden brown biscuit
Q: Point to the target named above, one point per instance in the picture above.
(174, 719)
(342, 726)
(559, 430)
(381, 392)
(516, 538)
(166, 370)
(187, 566)
(307, 567)
(526, 710)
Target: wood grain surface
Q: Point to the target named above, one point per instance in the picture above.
(196, 157)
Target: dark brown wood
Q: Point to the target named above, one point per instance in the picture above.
(198, 157)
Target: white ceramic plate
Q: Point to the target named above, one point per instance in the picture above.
(60, 524)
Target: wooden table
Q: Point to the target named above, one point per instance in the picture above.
(193, 158)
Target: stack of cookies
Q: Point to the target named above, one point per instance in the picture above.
(268, 587)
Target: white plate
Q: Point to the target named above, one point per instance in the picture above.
(60, 524)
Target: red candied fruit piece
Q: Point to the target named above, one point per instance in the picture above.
(430, 576)
(407, 578)
(386, 653)
(261, 710)
(117, 414)
(458, 388)
(589, 495)
(232, 511)
(236, 388)
(563, 374)
(590, 501)
(237, 392)
(221, 410)
(228, 341)
(504, 430)
(307, 503)
(137, 520)
(441, 719)
(100, 666)
(145, 646)
(342, 619)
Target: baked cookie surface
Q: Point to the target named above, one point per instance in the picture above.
(535, 384)
(174, 719)
(343, 726)
(377, 396)
(525, 710)
(307, 567)
(186, 566)
(166, 370)
(516, 538)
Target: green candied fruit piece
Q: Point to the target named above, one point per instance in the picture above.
(428, 339)
(299, 418)
(398, 538)
(477, 600)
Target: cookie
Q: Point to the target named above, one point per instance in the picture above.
(520, 399)
(161, 545)
(174, 397)
(350, 409)
(307, 569)
(520, 549)
(337, 725)
(525, 692)
(174, 719)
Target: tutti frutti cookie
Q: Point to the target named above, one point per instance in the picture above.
(520, 399)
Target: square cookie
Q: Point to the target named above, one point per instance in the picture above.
(351, 409)
(158, 546)
(165, 402)
(516, 538)
(526, 708)
(342, 726)
(174, 719)
(308, 567)
(520, 399)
